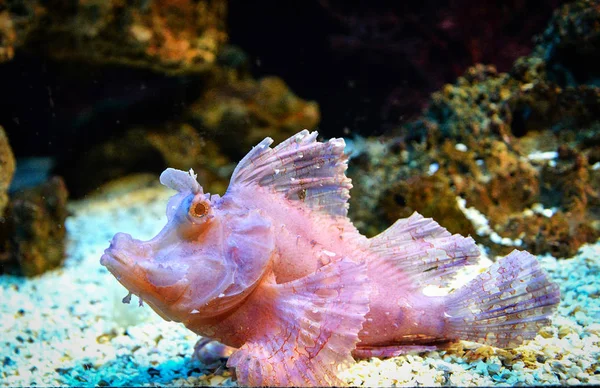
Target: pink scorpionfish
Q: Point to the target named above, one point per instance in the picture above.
(276, 270)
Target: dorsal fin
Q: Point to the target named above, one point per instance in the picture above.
(420, 251)
(300, 168)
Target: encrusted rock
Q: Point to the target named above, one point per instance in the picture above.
(522, 148)
(173, 36)
(253, 110)
(32, 239)
(7, 169)
(234, 113)
(138, 150)
(432, 195)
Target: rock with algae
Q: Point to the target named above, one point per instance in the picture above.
(522, 148)
(138, 149)
(7, 169)
(32, 240)
(233, 111)
(172, 36)
(32, 221)
(252, 109)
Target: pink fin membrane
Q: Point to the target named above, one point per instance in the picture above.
(317, 321)
(505, 305)
(308, 172)
(417, 251)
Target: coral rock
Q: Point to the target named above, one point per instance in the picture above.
(509, 141)
(173, 36)
(252, 110)
(33, 236)
(7, 169)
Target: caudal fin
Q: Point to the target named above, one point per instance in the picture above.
(505, 305)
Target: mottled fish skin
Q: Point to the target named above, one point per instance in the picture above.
(276, 269)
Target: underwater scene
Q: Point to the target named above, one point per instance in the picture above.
(316, 193)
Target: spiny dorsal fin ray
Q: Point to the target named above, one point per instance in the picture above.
(422, 251)
(302, 169)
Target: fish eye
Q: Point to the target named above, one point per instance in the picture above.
(199, 209)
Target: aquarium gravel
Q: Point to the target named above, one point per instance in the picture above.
(69, 327)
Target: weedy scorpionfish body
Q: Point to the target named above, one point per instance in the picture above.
(275, 269)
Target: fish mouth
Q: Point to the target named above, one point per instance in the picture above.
(135, 274)
(110, 256)
(126, 271)
(115, 261)
(121, 256)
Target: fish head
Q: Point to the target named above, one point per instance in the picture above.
(205, 260)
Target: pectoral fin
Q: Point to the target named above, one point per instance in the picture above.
(316, 321)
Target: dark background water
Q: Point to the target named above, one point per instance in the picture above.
(370, 65)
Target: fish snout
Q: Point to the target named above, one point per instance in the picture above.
(137, 249)
(125, 250)
(118, 245)
(121, 241)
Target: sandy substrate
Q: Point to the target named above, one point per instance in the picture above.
(69, 327)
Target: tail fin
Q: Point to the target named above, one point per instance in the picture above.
(505, 305)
